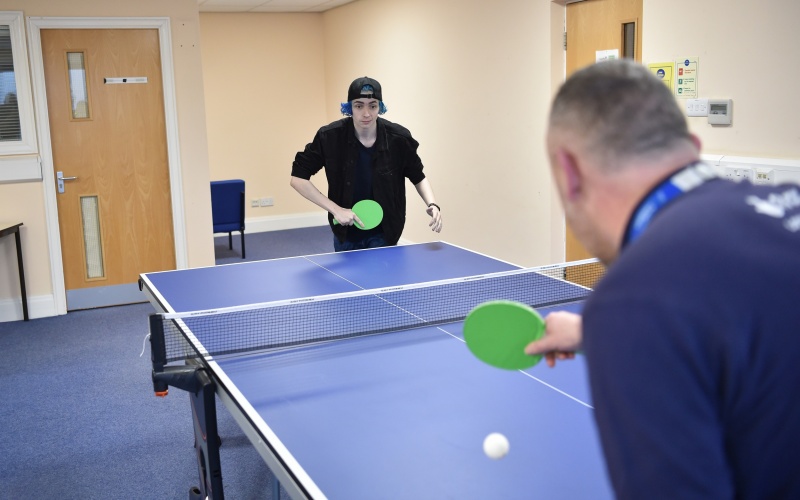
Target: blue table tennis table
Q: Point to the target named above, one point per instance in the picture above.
(397, 415)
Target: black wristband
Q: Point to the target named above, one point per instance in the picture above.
(434, 205)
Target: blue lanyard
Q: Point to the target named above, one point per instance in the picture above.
(681, 182)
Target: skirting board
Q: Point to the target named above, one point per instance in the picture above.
(40, 306)
(282, 222)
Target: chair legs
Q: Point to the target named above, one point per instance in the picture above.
(230, 241)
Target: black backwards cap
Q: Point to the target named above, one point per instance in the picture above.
(364, 88)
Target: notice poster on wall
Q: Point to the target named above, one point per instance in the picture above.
(664, 71)
(606, 55)
(686, 77)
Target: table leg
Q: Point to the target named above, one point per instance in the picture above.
(18, 241)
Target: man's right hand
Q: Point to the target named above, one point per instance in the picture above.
(562, 337)
(346, 217)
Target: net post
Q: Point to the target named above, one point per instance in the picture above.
(158, 354)
(187, 377)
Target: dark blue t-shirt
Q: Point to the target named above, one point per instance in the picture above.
(362, 190)
(693, 346)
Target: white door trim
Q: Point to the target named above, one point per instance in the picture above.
(35, 25)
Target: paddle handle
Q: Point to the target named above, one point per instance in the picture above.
(336, 222)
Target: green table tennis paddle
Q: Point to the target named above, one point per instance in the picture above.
(369, 212)
(497, 332)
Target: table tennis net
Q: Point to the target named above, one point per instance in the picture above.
(295, 322)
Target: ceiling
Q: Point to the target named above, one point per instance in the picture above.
(268, 5)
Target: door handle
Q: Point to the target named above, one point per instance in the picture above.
(60, 178)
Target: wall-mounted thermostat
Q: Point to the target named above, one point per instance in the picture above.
(720, 111)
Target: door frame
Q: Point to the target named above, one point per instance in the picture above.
(162, 24)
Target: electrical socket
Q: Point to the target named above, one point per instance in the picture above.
(266, 202)
(738, 173)
(253, 203)
(697, 107)
(764, 176)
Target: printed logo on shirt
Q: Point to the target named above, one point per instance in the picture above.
(793, 223)
(777, 204)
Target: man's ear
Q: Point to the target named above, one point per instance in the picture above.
(572, 174)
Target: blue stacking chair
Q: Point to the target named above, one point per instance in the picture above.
(227, 208)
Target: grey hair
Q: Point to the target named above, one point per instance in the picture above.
(621, 110)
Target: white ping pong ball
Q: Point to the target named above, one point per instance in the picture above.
(495, 446)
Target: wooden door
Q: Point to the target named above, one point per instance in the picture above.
(115, 216)
(595, 25)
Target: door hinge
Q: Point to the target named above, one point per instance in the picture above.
(565, 40)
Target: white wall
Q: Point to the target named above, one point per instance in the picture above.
(471, 80)
(264, 76)
(748, 52)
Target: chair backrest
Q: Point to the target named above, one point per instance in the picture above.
(227, 205)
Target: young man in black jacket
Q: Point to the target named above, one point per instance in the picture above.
(365, 157)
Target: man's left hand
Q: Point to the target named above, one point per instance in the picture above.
(436, 218)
